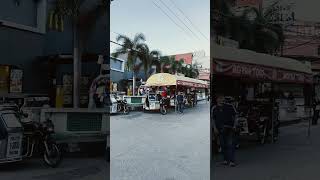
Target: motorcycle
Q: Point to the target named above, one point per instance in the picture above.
(40, 135)
(123, 106)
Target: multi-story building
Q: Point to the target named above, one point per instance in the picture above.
(27, 44)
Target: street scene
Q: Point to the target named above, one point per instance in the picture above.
(159, 90)
(264, 86)
(54, 80)
(151, 145)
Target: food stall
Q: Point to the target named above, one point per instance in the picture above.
(175, 84)
(253, 79)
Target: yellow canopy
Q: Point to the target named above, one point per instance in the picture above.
(165, 79)
(162, 79)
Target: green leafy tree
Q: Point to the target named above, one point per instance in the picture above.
(136, 52)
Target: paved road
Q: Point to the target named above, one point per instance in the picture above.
(147, 146)
(75, 168)
(294, 157)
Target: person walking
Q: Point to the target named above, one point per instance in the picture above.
(224, 124)
(180, 101)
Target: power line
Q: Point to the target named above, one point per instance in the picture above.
(189, 20)
(302, 44)
(178, 18)
(170, 17)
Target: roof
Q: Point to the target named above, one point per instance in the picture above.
(251, 57)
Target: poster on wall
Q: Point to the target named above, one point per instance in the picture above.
(16, 81)
(4, 77)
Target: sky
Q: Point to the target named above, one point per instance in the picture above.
(129, 17)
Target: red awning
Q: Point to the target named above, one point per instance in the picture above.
(252, 65)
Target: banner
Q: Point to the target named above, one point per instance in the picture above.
(16, 81)
(259, 72)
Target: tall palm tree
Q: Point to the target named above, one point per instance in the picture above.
(268, 36)
(84, 15)
(135, 50)
(150, 59)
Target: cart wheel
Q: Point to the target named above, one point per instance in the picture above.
(126, 110)
(163, 110)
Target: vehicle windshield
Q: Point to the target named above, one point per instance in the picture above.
(11, 120)
(152, 97)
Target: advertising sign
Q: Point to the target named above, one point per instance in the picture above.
(16, 81)
(259, 72)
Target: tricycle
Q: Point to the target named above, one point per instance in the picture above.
(18, 140)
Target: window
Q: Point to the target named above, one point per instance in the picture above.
(117, 64)
(11, 120)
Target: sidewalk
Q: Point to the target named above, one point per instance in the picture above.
(294, 157)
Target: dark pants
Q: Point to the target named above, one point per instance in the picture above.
(180, 107)
(315, 117)
(227, 143)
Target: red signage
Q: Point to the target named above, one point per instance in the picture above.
(259, 72)
(191, 84)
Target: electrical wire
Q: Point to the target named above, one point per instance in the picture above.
(179, 18)
(194, 26)
(164, 12)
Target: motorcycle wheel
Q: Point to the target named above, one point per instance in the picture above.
(126, 110)
(163, 110)
(54, 157)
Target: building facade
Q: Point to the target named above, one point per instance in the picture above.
(25, 39)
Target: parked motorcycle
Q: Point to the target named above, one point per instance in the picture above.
(123, 106)
(39, 135)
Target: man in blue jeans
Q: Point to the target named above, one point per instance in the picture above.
(180, 100)
(224, 124)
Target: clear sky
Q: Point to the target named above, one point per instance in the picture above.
(129, 17)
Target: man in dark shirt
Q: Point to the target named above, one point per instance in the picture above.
(224, 123)
(180, 100)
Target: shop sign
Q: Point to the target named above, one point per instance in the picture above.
(259, 72)
(190, 84)
(16, 81)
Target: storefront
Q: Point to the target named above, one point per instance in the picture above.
(10, 79)
(236, 72)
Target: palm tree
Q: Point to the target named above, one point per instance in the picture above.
(84, 15)
(268, 36)
(150, 58)
(135, 49)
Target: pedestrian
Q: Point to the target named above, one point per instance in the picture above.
(180, 101)
(224, 124)
(316, 111)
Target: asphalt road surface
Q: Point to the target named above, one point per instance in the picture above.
(147, 146)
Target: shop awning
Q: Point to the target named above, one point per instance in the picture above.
(246, 63)
(165, 79)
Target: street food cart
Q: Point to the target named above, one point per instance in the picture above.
(253, 79)
(175, 83)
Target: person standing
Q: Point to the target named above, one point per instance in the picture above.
(180, 101)
(224, 124)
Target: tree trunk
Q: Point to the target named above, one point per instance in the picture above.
(76, 65)
(133, 84)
